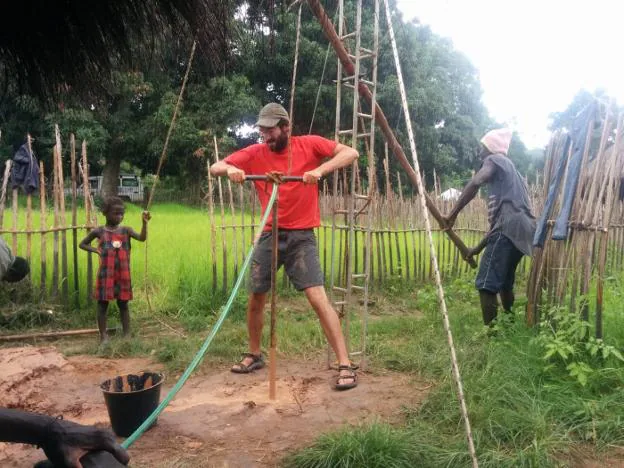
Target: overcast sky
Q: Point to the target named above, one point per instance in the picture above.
(532, 56)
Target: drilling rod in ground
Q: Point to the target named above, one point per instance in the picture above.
(381, 120)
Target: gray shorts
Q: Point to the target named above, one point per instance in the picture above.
(296, 250)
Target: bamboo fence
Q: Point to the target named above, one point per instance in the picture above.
(568, 272)
(59, 280)
(399, 250)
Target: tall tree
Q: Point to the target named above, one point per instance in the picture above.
(128, 121)
(87, 54)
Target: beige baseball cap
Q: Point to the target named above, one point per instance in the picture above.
(271, 114)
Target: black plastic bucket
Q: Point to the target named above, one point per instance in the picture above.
(99, 459)
(130, 399)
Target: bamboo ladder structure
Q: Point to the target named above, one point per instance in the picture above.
(356, 273)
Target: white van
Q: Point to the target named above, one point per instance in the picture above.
(130, 187)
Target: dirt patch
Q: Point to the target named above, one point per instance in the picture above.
(20, 371)
(43, 380)
(586, 456)
(219, 418)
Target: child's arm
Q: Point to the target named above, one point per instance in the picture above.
(142, 237)
(86, 242)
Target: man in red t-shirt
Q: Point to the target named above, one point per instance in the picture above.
(298, 215)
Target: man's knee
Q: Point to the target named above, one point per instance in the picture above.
(256, 302)
(316, 295)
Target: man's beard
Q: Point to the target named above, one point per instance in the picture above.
(278, 144)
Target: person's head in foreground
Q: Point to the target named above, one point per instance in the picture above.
(274, 126)
(17, 271)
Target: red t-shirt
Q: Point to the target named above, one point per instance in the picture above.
(298, 206)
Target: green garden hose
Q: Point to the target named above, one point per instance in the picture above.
(200, 354)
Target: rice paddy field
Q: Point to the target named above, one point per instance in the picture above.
(191, 254)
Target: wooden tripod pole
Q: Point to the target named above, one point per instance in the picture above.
(381, 120)
(273, 344)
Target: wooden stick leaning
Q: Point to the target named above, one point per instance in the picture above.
(440, 289)
(55, 237)
(536, 275)
(603, 237)
(163, 154)
(161, 161)
(43, 213)
(233, 227)
(381, 120)
(273, 335)
(274, 258)
(74, 193)
(223, 228)
(404, 227)
(86, 188)
(5, 181)
(213, 228)
(63, 220)
(568, 258)
(29, 207)
(587, 238)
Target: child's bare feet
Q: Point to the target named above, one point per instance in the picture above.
(104, 343)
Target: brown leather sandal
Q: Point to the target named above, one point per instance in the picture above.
(351, 378)
(256, 363)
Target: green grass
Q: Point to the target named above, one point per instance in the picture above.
(375, 446)
(522, 413)
(179, 261)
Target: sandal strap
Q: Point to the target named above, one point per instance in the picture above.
(353, 365)
(346, 381)
(352, 375)
(255, 357)
(353, 378)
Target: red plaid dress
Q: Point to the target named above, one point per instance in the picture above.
(113, 279)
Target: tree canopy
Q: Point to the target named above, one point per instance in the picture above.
(128, 121)
(73, 45)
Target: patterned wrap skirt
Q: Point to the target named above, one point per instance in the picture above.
(113, 279)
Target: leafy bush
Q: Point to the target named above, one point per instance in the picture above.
(567, 343)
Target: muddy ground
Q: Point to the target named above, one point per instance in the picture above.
(218, 419)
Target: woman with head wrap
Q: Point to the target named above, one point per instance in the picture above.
(512, 224)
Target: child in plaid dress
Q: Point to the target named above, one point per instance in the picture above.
(113, 279)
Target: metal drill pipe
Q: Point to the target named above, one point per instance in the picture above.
(283, 178)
